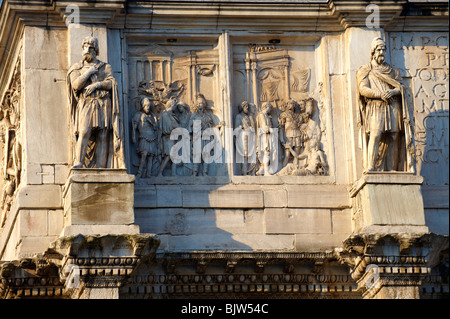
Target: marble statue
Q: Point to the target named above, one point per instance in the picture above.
(95, 110)
(383, 116)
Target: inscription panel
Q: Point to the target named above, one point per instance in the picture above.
(424, 60)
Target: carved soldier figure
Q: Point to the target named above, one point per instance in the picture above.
(292, 135)
(245, 140)
(167, 123)
(383, 112)
(145, 123)
(95, 109)
(207, 120)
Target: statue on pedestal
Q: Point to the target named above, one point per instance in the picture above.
(95, 111)
(383, 116)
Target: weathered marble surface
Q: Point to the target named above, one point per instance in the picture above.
(229, 52)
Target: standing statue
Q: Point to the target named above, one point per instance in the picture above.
(245, 140)
(383, 115)
(145, 123)
(95, 110)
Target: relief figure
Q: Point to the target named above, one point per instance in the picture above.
(203, 115)
(245, 140)
(292, 134)
(167, 123)
(145, 123)
(266, 145)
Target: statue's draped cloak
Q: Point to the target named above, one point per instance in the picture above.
(390, 76)
(101, 108)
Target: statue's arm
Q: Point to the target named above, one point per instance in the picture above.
(79, 80)
(107, 83)
(366, 91)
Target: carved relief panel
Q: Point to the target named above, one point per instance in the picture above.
(287, 107)
(176, 110)
(423, 60)
(10, 143)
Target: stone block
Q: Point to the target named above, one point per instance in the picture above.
(223, 198)
(39, 196)
(55, 222)
(45, 127)
(435, 196)
(48, 174)
(437, 220)
(341, 221)
(318, 242)
(297, 221)
(45, 48)
(389, 200)
(318, 196)
(61, 173)
(275, 197)
(33, 222)
(239, 221)
(227, 241)
(168, 196)
(145, 197)
(98, 197)
(32, 245)
(33, 174)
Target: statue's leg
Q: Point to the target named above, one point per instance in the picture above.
(82, 145)
(163, 165)
(392, 158)
(142, 160)
(101, 151)
(195, 169)
(287, 157)
(372, 149)
(204, 169)
(149, 166)
(296, 160)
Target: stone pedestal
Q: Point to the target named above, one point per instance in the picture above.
(388, 202)
(98, 202)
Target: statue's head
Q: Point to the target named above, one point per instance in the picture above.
(201, 102)
(171, 104)
(378, 50)
(146, 105)
(90, 48)
(291, 105)
(244, 107)
(266, 107)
